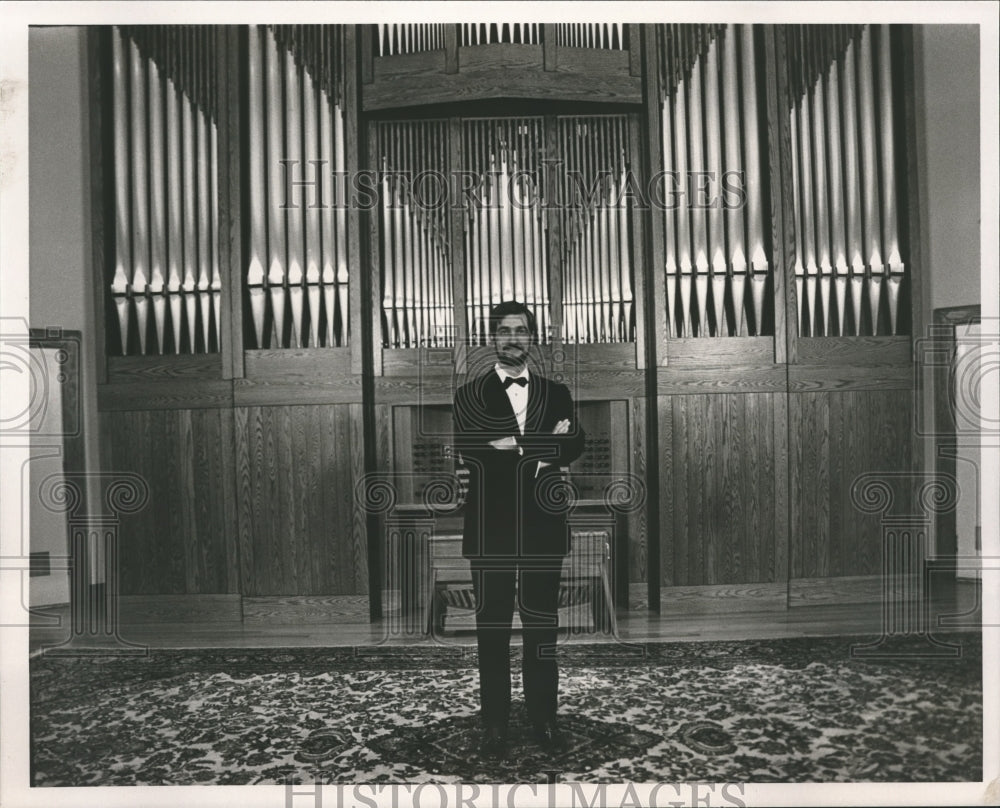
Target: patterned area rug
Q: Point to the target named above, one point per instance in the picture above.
(801, 710)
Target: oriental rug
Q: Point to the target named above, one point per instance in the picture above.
(791, 710)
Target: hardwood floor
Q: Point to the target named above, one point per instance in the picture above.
(961, 611)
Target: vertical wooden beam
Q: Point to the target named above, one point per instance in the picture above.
(903, 40)
(230, 58)
(640, 171)
(779, 167)
(782, 198)
(371, 306)
(403, 448)
(552, 221)
(635, 48)
(656, 297)
(456, 224)
(352, 164)
(658, 522)
(365, 342)
(781, 570)
(549, 47)
(785, 339)
(101, 166)
(782, 217)
(638, 524)
(368, 53)
(903, 36)
(451, 48)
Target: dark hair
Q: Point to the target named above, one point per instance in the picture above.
(508, 307)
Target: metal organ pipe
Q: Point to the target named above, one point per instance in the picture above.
(841, 82)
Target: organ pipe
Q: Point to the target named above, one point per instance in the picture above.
(297, 136)
(710, 130)
(844, 190)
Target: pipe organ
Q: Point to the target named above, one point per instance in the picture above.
(395, 39)
(505, 227)
(596, 230)
(416, 277)
(845, 176)
(297, 271)
(717, 255)
(516, 33)
(166, 286)
(609, 36)
(713, 224)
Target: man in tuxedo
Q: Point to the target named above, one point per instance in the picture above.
(514, 429)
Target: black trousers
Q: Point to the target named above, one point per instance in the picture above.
(537, 603)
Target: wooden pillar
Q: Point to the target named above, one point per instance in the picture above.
(655, 324)
(228, 66)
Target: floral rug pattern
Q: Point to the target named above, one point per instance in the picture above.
(801, 710)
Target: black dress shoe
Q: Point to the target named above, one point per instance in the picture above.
(548, 736)
(493, 744)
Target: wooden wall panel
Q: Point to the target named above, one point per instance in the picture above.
(638, 521)
(298, 526)
(834, 438)
(717, 498)
(354, 430)
(182, 541)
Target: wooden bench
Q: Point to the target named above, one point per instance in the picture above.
(585, 580)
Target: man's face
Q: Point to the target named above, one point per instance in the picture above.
(512, 340)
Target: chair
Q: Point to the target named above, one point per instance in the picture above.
(585, 579)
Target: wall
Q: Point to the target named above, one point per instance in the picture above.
(947, 68)
(59, 226)
(948, 121)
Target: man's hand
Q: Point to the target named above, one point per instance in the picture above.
(562, 427)
(505, 444)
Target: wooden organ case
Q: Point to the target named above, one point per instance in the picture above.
(301, 230)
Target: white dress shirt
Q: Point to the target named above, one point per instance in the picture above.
(518, 394)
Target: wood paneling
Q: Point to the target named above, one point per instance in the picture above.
(497, 71)
(781, 489)
(359, 517)
(122, 369)
(861, 351)
(250, 393)
(691, 352)
(804, 378)
(181, 542)
(302, 376)
(700, 381)
(638, 522)
(298, 525)
(834, 438)
(717, 498)
(183, 394)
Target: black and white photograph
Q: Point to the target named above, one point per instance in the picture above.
(472, 404)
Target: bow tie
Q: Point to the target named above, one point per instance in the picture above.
(511, 380)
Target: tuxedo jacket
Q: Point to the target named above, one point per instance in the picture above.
(512, 510)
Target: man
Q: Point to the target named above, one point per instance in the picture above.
(514, 430)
